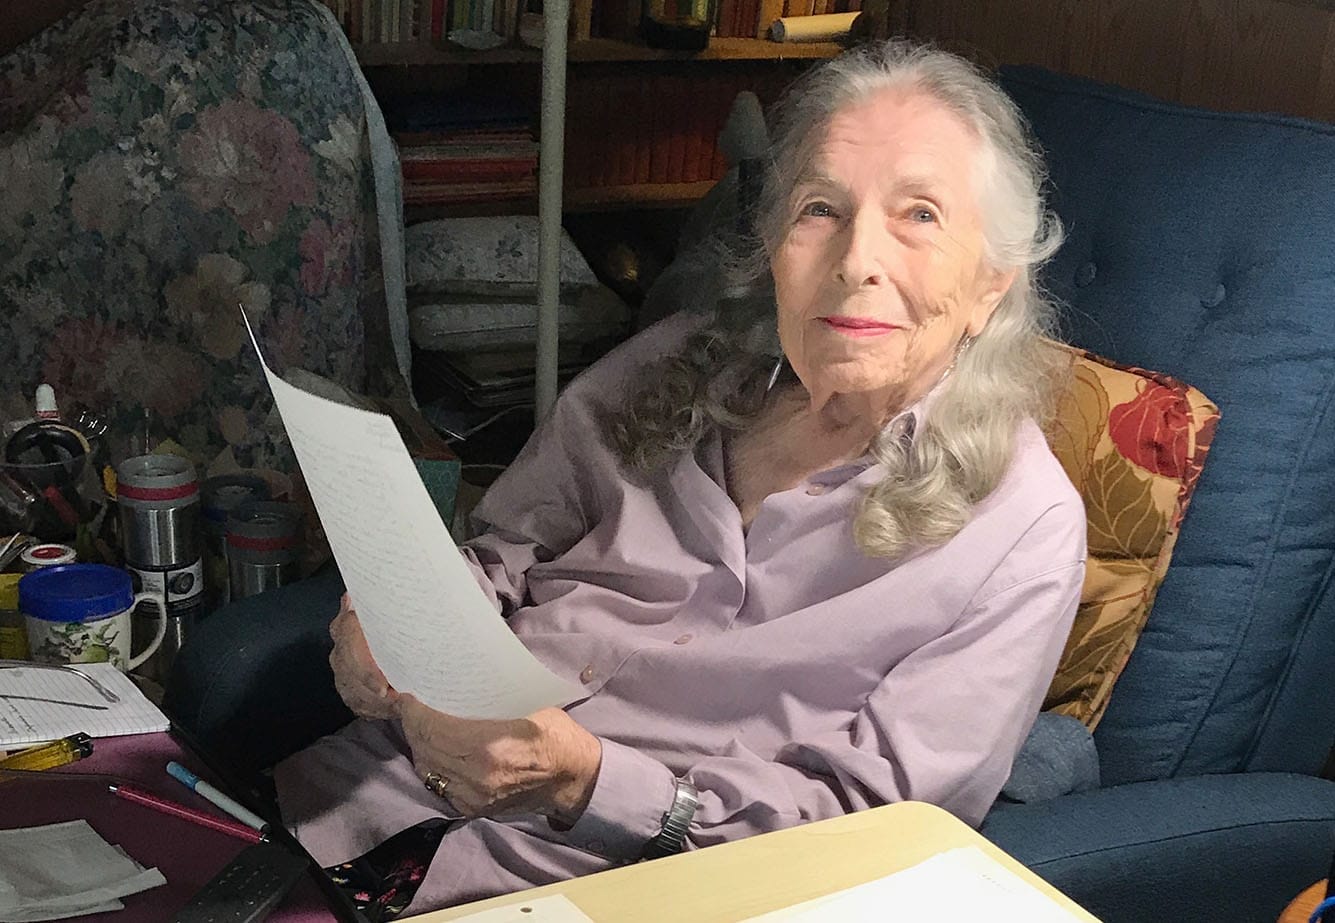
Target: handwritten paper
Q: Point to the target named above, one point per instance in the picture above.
(430, 628)
(960, 884)
(30, 721)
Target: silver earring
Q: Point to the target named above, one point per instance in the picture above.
(965, 342)
(774, 375)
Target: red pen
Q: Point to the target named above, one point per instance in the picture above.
(157, 803)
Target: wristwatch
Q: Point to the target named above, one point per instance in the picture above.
(675, 823)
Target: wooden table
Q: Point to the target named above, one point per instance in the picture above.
(738, 880)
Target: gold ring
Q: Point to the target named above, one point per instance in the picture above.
(436, 783)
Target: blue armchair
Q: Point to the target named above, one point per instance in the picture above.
(1203, 244)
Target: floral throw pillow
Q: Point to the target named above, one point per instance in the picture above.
(1133, 443)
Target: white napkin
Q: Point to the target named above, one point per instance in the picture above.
(65, 870)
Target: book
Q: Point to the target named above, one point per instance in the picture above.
(40, 703)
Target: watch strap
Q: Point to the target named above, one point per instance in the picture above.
(676, 821)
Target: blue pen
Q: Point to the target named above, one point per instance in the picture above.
(215, 797)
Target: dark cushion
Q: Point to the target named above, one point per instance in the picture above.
(1228, 847)
(253, 683)
(1202, 244)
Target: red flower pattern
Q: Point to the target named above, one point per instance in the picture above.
(1153, 429)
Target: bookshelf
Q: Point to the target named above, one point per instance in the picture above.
(623, 125)
(592, 50)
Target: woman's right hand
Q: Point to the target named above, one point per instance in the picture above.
(358, 680)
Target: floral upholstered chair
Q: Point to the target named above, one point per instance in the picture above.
(163, 162)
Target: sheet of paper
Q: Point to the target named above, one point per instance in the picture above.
(554, 909)
(27, 721)
(959, 884)
(66, 869)
(429, 626)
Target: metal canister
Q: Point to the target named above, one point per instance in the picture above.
(263, 546)
(158, 498)
(219, 496)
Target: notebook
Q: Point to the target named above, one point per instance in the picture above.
(40, 703)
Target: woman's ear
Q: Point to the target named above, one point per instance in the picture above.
(995, 290)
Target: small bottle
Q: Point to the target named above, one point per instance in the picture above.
(679, 24)
(45, 403)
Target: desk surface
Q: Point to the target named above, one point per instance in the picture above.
(187, 854)
(738, 880)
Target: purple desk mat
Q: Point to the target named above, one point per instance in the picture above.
(187, 854)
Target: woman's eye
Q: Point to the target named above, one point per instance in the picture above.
(817, 210)
(921, 214)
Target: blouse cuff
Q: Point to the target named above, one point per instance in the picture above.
(626, 810)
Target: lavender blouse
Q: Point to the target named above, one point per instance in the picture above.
(789, 676)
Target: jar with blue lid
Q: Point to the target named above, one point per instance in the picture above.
(80, 613)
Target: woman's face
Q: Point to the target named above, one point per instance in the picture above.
(881, 272)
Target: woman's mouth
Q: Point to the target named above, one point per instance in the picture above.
(857, 326)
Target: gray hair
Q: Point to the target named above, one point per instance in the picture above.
(1008, 374)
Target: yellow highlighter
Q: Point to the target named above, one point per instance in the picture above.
(49, 756)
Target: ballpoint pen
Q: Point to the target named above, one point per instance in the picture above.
(49, 756)
(215, 797)
(157, 803)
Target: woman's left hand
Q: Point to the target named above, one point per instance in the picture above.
(545, 763)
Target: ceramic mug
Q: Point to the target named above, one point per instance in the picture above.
(80, 613)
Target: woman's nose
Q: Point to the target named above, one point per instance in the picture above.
(866, 250)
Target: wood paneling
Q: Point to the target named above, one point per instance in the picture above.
(1266, 55)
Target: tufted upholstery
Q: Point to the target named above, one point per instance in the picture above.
(1203, 244)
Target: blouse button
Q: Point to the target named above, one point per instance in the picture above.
(683, 639)
(815, 490)
(586, 675)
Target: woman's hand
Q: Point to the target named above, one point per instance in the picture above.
(545, 763)
(358, 680)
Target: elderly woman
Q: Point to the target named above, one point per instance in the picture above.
(804, 560)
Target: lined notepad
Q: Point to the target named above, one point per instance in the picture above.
(25, 721)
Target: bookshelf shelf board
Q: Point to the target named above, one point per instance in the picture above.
(720, 49)
(593, 50)
(644, 195)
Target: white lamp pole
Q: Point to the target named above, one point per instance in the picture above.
(551, 155)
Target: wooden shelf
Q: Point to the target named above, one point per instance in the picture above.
(593, 51)
(645, 195)
(604, 198)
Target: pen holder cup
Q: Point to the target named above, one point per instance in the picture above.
(80, 613)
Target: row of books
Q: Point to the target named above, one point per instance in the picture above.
(630, 129)
(425, 21)
(433, 21)
(646, 128)
(464, 148)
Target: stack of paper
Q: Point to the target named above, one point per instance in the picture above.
(65, 870)
(40, 703)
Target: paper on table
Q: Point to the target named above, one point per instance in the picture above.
(430, 628)
(554, 909)
(66, 869)
(26, 721)
(958, 884)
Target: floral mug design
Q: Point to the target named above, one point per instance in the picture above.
(102, 640)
